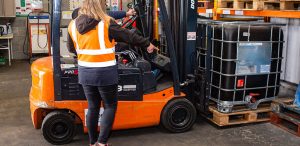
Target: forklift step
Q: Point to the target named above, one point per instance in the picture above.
(261, 114)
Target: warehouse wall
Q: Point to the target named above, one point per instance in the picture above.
(19, 30)
(19, 43)
(291, 54)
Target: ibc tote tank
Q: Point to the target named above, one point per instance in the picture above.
(244, 63)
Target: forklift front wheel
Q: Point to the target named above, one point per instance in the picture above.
(178, 116)
(58, 128)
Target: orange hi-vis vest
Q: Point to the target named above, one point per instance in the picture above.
(94, 48)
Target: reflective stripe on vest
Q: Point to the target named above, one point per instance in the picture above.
(91, 57)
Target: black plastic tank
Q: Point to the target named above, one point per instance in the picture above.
(243, 61)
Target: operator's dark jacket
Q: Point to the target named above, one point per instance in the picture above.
(106, 75)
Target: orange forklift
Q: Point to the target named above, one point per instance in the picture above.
(146, 98)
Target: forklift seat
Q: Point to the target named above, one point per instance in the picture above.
(142, 64)
(149, 81)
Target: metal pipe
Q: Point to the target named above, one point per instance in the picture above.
(181, 39)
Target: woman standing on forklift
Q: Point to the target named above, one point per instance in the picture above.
(93, 35)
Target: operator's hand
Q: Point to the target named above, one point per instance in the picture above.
(130, 12)
(151, 48)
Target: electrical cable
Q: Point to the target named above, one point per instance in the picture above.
(26, 37)
(25, 47)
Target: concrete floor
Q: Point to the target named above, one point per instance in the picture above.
(16, 127)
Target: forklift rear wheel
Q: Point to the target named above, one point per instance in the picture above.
(178, 116)
(59, 128)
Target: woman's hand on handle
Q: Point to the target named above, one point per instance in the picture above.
(151, 48)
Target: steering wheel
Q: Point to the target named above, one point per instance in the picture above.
(128, 23)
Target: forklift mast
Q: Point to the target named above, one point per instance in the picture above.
(184, 25)
(186, 37)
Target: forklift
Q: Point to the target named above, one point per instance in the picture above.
(58, 104)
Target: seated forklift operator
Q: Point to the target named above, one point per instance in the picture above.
(93, 35)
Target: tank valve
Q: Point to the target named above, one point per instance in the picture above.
(251, 98)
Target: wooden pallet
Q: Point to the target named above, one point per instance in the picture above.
(290, 5)
(206, 4)
(261, 114)
(248, 4)
(282, 105)
(286, 115)
(286, 122)
(278, 104)
(243, 107)
(241, 4)
(281, 5)
(225, 3)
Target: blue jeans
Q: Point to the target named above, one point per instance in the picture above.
(94, 95)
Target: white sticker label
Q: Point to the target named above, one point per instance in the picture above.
(67, 15)
(209, 11)
(129, 88)
(239, 12)
(100, 115)
(126, 88)
(191, 36)
(247, 69)
(226, 12)
(264, 68)
(251, 44)
(246, 34)
(65, 66)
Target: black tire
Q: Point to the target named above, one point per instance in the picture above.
(59, 128)
(178, 116)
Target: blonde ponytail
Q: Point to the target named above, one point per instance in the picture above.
(95, 9)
